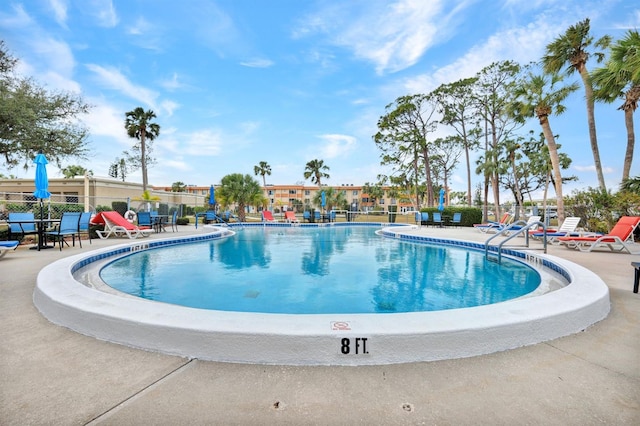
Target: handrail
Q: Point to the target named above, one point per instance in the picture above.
(525, 227)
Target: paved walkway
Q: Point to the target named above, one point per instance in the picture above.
(51, 375)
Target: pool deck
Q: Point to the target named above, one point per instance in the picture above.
(51, 375)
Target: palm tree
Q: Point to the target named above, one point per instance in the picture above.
(139, 126)
(72, 171)
(571, 48)
(263, 169)
(315, 170)
(335, 199)
(538, 97)
(617, 80)
(243, 190)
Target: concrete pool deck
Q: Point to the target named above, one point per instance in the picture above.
(51, 375)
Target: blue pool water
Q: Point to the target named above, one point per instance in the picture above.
(318, 270)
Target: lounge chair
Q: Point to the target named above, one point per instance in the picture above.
(567, 229)
(492, 226)
(618, 239)
(69, 226)
(519, 225)
(267, 216)
(115, 224)
(290, 217)
(5, 246)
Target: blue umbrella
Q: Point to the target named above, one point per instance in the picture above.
(323, 199)
(42, 182)
(212, 196)
(441, 201)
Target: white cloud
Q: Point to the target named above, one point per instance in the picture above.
(257, 63)
(106, 120)
(393, 36)
(59, 8)
(334, 145)
(203, 143)
(592, 168)
(169, 107)
(114, 79)
(103, 11)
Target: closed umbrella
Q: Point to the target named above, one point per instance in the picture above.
(212, 196)
(42, 190)
(323, 199)
(42, 181)
(441, 201)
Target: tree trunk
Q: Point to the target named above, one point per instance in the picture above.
(593, 138)
(555, 163)
(631, 141)
(469, 196)
(143, 159)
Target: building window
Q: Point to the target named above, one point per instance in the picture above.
(381, 201)
(270, 192)
(307, 192)
(292, 192)
(354, 193)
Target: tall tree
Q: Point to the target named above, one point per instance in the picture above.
(620, 78)
(572, 49)
(243, 190)
(493, 94)
(457, 107)
(446, 155)
(119, 169)
(316, 170)
(34, 120)
(139, 125)
(539, 96)
(263, 169)
(403, 139)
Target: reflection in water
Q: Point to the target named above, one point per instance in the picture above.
(318, 270)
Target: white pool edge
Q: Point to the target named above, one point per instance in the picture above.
(319, 339)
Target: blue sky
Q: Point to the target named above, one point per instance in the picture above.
(236, 82)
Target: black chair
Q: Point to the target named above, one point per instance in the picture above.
(69, 226)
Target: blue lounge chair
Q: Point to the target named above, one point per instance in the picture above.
(5, 246)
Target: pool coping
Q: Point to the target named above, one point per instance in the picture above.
(319, 339)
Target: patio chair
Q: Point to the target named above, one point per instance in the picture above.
(267, 216)
(436, 219)
(456, 220)
(424, 218)
(618, 239)
(290, 217)
(306, 216)
(173, 221)
(84, 225)
(5, 246)
(116, 225)
(145, 220)
(22, 224)
(69, 226)
(316, 216)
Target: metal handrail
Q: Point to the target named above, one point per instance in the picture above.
(524, 229)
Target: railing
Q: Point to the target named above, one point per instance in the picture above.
(512, 231)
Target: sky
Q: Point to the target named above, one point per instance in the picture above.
(237, 82)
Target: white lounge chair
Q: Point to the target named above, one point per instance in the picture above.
(568, 228)
(618, 239)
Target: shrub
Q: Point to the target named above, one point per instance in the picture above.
(120, 207)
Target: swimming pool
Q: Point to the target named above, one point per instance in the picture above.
(69, 293)
(320, 270)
